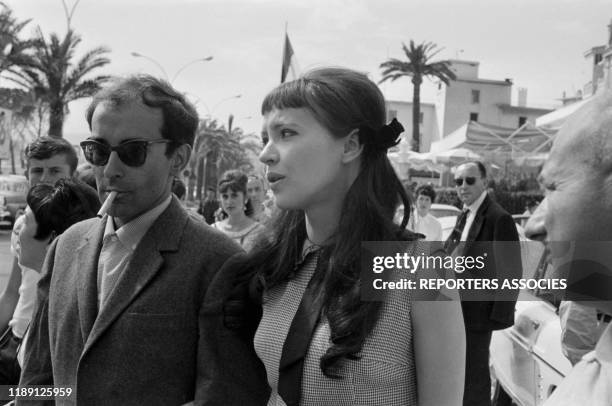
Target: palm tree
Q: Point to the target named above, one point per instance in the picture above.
(14, 52)
(58, 79)
(417, 67)
(215, 150)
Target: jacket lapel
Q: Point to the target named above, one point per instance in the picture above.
(163, 236)
(477, 223)
(87, 276)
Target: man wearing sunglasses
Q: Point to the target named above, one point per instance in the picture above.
(120, 305)
(481, 223)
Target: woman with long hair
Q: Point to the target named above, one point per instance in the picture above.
(237, 207)
(325, 144)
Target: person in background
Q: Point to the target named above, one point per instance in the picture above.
(256, 192)
(422, 221)
(48, 160)
(482, 223)
(209, 206)
(238, 225)
(576, 216)
(325, 151)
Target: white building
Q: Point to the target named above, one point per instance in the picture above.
(428, 123)
(471, 98)
(467, 98)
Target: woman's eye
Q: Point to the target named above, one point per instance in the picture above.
(287, 133)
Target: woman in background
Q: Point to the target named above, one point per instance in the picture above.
(235, 204)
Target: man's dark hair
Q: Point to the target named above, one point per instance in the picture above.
(57, 207)
(426, 190)
(46, 147)
(180, 116)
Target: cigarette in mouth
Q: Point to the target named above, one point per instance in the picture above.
(105, 206)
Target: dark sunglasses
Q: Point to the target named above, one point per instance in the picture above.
(470, 180)
(132, 153)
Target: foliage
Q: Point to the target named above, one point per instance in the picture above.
(57, 78)
(417, 66)
(216, 150)
(15, 52)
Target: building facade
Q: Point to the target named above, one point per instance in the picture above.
(468, 98)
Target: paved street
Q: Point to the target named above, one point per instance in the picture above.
(5, 257)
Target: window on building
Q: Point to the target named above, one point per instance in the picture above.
(391, 114)
(421, 115)
(475, 96)
(598, 58)
(473, 116)
(522, 121)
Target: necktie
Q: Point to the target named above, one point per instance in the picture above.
(298, 339)
(455, 237)
(112, 257)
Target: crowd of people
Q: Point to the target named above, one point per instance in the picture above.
(126, 297)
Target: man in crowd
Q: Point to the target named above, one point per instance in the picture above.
(209, 206)
(48, 160)
(118, 315)
(482, 223)
(256, 192)
(576, 216)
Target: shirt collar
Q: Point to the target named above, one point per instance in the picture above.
(473, 208)
(132, 232)
(308, 248)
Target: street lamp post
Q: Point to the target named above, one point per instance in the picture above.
(182, 68)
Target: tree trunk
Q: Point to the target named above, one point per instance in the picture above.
(56, 120)
(416, 113)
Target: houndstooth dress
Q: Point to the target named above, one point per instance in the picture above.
(385, 374)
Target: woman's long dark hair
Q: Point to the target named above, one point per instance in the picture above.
(342, 100)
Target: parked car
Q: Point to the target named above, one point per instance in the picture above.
(444, 210)
(527, 363)
(13, 192)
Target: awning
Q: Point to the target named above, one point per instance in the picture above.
(555, 119)
(497, 143)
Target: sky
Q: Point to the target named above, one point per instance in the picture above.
(539, 44)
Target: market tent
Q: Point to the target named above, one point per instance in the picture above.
(555, 119)
(497, 143)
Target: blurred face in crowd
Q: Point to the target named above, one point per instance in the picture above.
(255, 192)
(472, 183)
(48, 170)
(233, 202)
(423, 205)
(304, 161)
(139, 188)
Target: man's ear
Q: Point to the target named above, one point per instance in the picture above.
(180, 159)
(352, 147)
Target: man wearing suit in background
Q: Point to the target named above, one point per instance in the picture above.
(482, 222)
(119, 304)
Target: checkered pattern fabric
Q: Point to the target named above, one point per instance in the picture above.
(385, 374)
